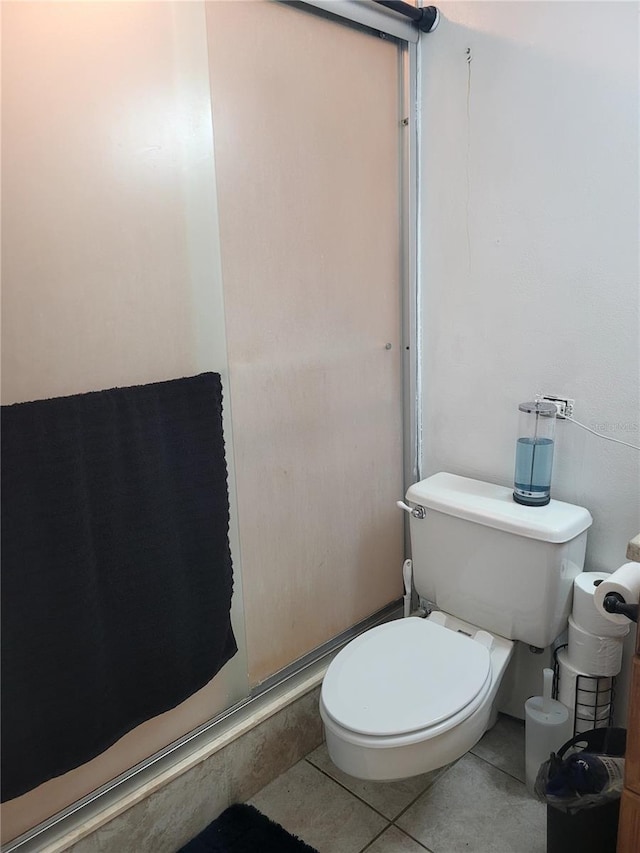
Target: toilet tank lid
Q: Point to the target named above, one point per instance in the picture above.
(493, 506)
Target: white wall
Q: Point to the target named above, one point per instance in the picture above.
(530, 246)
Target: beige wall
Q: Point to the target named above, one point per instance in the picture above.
(110, 267)
(307, 134)
(106, 138)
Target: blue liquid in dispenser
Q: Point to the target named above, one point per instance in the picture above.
(534, 461)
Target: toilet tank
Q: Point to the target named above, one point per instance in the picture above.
(502, 566)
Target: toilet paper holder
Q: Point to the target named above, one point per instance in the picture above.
(593, 700)
(615, 603)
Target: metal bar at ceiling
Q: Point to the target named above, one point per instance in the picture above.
(369, 14)
(426, 17)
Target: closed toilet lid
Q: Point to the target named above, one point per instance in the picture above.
(404, 676)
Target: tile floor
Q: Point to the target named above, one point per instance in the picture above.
(477, 805)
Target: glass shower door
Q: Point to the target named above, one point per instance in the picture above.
(307, 135)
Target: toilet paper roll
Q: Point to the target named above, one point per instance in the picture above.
(586, 725)
(588, 712)
(585, 611)
(626, 582)
(594, 655)
(593, 691)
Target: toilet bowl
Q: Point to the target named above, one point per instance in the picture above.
(409, 696)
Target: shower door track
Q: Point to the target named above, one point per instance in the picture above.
(78, 813)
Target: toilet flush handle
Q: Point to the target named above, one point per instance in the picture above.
(416, 511)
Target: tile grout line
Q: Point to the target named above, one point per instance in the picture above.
(353, 794)
(403, 831)
(392, 821)
(367, 846)
(415, 800)
(408, 834)
(422, 793)
(495, 767)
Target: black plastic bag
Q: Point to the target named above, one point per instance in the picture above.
(586, 772)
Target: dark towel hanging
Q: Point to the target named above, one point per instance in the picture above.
(116, 570)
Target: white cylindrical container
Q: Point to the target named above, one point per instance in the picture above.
(547, 726)
(594, 655)
(585, 612)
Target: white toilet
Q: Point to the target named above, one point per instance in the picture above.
(415, 694)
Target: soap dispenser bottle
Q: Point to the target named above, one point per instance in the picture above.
(534, 453)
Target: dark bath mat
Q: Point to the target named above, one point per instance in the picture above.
(243, 829)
